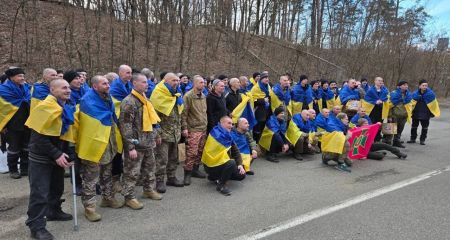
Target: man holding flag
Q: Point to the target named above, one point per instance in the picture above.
(50, 123)
(14, 111)
(137, 121)
(247, 145)
(400, 110)
(98, 142)
(168, 102)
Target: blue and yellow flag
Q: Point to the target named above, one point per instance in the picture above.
(164, 98)
(272, 127)
(118, 92)
(333, 142)
(300, 97)
(355, 119)
(11, 97)
(244, 110)
(96, 118)
(397, 97)
(51, 119)
(251, 83)
(260, 90)
(372, 96)
(150, 88)
(38, 93)
(149, 116)
(347, 94)
(215, 152)
(244, 148)
(429, 98)
(280, 97)
(328, 98)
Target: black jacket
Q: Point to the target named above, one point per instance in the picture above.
(232, 100)
(17, 122)
(215, 109)
(46, 149)
(421, 111)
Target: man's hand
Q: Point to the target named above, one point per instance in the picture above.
(185, 133)
(241, 170)
(285, 148)
(132, 154)
(254, 154)
(379, 102)
(62, 161)
(158, 141)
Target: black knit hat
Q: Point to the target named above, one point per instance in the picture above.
(422, 81)
(401, 82)
(69, 76)
(278, 110)
(14, 71)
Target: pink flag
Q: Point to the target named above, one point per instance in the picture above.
(361, 140)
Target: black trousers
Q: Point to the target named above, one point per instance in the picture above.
(46, 189)
(117, 165)
(258, 129)
(277, 143)
(376, 116)
(415, 125)
(224, 172)
(17, 149)
(378, 146)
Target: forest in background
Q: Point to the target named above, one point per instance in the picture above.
(332, 39)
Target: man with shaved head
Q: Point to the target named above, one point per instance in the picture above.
(246, 144)
(233, 97)
(168, 103)
(41, 89)
(48, 159)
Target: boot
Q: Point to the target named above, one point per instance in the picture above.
(423, 136)
(91, 214)
(402, 155)
(398, 144)
(271, 157)
(111, 203)
(422, 142)
(297, 156)
(117, 185)
(153, 195)
(42, 234)
(14, 175)
(174, 182)
(134, 204)
(196, 173)
(348, 162)
(412, 141)
(160, 186)
(187, 177)
(12, 165)
(222, 188)
(57, 214)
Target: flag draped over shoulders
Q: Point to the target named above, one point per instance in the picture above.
(39, 92)
(11, 97)
(97, 117)
(272, 127)
(347, 94)
(396, 97)
(164, 98)
(244, 110)
(430, 100)
(301, 96)
(119, 91)
(280, 97)
(371, 98)
(260, 90)
(328, 97)
(215, 152)
(51, 118)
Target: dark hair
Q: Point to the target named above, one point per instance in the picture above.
(333, 81)
(313, 82)
(323, 81)
(59, 71)
(80, 70)
(222, 77)
(303, 77)
(255, 74)
(363, 79)
(162, 75)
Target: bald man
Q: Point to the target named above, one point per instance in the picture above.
(47, 161)
(233, 97)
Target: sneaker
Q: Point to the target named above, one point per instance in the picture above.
(222, 188)
(14, 175)
(343, 167)
(42, 234)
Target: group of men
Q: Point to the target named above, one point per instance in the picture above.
(124, 129)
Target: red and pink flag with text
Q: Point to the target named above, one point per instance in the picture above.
(361, 140)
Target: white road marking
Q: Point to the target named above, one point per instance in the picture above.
(276, 228)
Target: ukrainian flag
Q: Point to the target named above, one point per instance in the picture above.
(333, 142)
(279, 98)
(118, 92)
(216, 148)
(51, 119)
(430, 99)
(272, 126)
(301, 96)
(244, 110)
(164, 98)
(260, 90)
(39, 92)
(328, 97)
(96, 118)
(293, 133)
(11, 97)
(347, 94)
(244, 148)
(372, 97)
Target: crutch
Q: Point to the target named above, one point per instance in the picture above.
(74, 193)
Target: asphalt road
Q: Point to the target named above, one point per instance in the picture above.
(276, 194)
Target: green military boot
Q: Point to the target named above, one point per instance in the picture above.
(134, 204)
(111, 203)
(91, 215)
(153, 195)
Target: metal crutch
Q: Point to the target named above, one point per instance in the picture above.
(74, 193)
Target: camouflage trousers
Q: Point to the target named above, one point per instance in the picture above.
(142, 168)
(91, 173)
(339, 158)
(166, 160)
(302, 144)
(194, 149)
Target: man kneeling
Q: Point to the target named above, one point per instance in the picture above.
(221, 157)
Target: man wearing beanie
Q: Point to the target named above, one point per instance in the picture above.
(14, 111)
(74, 80)
(273, 138)
(400, 109)
(261, 96)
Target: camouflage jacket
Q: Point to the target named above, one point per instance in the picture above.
(170, 130)
(130, 123)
